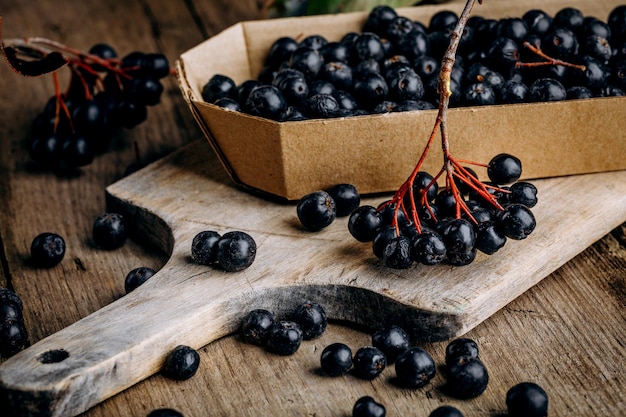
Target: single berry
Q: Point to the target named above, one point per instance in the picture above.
(217, 87)
(236, 251)
(13, 338)
(489, 237)
(369, 362)
(516, 221)
(461, 347)
(368, 407)
(524, 193)
(165, 412)
(284, 337)
(136, 277)
(316, 210)
(311, 318)
(346, 198)
(504, 169)
(467, 377)
(392, 341)
(397, 253)
(256, 326)
(527, 399)
(47, 250)
(383, 237)
(181, 363)
(336, 359)
(428, 248)
(204, 247)
(10, 297)
(446, 411)
(109, 231)
(364, 223)
(415, 368)
(10, 312)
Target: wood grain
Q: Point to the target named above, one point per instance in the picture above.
(566, 333)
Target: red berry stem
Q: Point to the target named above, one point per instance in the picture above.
(548, 59)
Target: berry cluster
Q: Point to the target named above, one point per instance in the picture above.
(393, 65)
(105, 93)
(13, 334)
(284, 337)
(233, 251)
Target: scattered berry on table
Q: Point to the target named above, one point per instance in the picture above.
(316, 210)
(461, 347)
(368, 362)
(466, 377)
(392, 341)
(256, 326)
(47, 249)
(527, 399)
(336, 359)
(181, 363)
(415, 368)
(236, 251)
(346, 198)
(285, 337)
(165, 412)
(312, 319)
(366, 406)
(204, 247)
(364, 223)
(136, 277)
(109, 231)
(446, 411)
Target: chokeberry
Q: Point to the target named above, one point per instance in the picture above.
(13, 338)
(266, 101)
(312, 319)
(368, 362)
(527, 399)
(364, 223)
(336, 359)
(467, 377)
(460, 347)
(397, 253)
(446, 411)
(415, 368)
(11, 297)
(516, 221)
(368, 407)
(346, 198)
(10, 312)
(165, 412)
(316, 210)
(181, 363)
(428, 248)
(284, 337)
(523, 192)
(47, 249)
(504, 169)
(109, 231)
(136, 277)
(392, 341)
(217, 87)
(204, 247)
(489, 238)
(236, 251)
(256, 326)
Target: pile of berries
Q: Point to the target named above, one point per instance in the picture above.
(105, 93)
(13, 334)
(393, 64)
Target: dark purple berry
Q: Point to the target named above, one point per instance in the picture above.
(368, 407)
(397, 253)
(165, 412)
(524, 193)
(489, 238)
(204, 247)
(460, 347)
(181, 363)
(256, 326)
(47, 250)
(504, 169)
(266, 101)
(527, 399)
(467, 377)
(428, 248)
(346, 198)
(109, 231)
(136, 277)
(369, 362)
(415, 368)
(364, 223)
(217, 87)
(13, 338)
(284, 337)
(10, 311)
(392, 341)
(446, 411)
(516, 221)
(236, 251)
(336, 359)
(316, 210)
(312, 319)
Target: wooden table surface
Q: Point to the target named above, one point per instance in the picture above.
(567, 334)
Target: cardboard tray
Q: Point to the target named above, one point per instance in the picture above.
(377, 152)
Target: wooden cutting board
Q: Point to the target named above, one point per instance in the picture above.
(170, 201)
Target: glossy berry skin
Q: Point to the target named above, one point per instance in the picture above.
(346, 198)
(527, 399)
(165, 412)
(13, 338)
(321, 106)
(217, 87)
(479, 94)
(204, 247)
(489, 238)
(524, 193)
(316, 210)
(504, 169)
(10, 312)
(446, 411)
(415, 368)
(460, 347)
(136, 277)
(236, 251)
(336, 359)
(266, 101)
(397, 253)
(392, 341)
(383, 237)
(182, 363)
(368, 407)
(368, 362)
(47, 250)
(312, 319)
(256, 326)
(459, 236)
(284, 337)
(546, 89)
(109, 231)
(516, 221)
(467, 377)
(364, 223)
(428, 248)
(10, 297)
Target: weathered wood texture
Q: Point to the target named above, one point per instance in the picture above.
(566, 333)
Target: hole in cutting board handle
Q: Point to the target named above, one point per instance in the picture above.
(53, 356)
